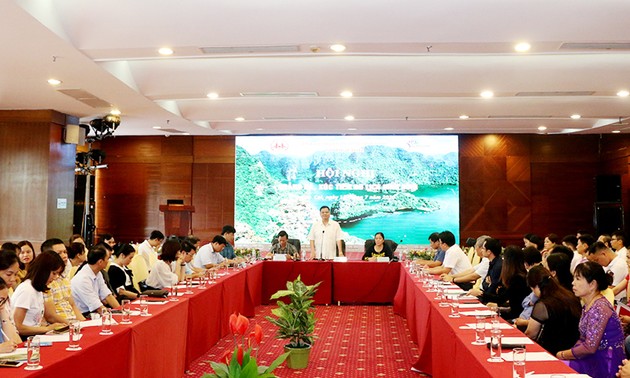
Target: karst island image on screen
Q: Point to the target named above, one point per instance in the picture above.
(403, 186)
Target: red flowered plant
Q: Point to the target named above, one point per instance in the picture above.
(239, 362)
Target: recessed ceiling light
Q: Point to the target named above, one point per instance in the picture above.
(575, 116)
(54, 81)
(338, 48)
(487, 94)
(352, 129)
(212, 95)
(522, 47)
(542, 128)
(185, 133)
(463, 116)
(165, 51)
(623, 93)
(239, 119)
(345, 94)
(349, 118)
(616, 131)
(115, 112)
(259, 129)
(449, 129)
(157, 127)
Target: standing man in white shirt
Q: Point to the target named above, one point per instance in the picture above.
(148, 248)
(325, 237)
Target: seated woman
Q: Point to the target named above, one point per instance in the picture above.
(120, 276)
(556, 314)
(164, 274)
(559, 265)
(25, 257)
(27, 301)
(9, 337)
(77, 254)
(599, 351)
(513, 287)
(379, 249)
(9, 268)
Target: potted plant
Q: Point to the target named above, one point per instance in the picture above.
(296, 321)
(239, 362)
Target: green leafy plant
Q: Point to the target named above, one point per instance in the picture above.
(239, 362)
(420, 254)
(295, 320)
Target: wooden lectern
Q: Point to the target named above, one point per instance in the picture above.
(177, 219)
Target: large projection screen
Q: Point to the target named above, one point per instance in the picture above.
(404, 186)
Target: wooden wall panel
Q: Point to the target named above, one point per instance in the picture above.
(36, 170)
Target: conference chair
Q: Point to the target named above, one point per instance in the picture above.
(390, 243)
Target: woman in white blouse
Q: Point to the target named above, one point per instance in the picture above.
(170, 269)
(27, 301)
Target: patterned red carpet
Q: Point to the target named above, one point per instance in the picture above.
(353, 341)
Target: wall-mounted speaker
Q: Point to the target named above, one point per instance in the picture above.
(74, 134)
(608, 217)
(607, 188)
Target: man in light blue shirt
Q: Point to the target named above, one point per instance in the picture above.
(89, 290)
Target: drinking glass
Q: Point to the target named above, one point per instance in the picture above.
(126, 311)
(188, 285)
(442, 297)
(144, 306)
(202, 280)
(454, 307)
(106, 322)
(172, 295)
(518, 362)
(480, 330)
(495, 346)
(32, 353)
(74, 335)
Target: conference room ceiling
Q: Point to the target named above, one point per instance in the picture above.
(413, 67)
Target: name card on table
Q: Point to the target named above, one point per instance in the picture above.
(340, 259)
(279, 257)
(382, 259)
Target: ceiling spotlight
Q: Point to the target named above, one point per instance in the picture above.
(349, 118)
(212, 95)
(616, 131)
(352, 129)
(623, 93)
(165, 51)
(542, 128)
(463, 116)
(338, 48)
(157, 127)
(345, 94)
(575, 116)
(54, 82)
(239, 119)
(449, 129)
(522, 47)
(487, 94)
(259, 129)
(115, 112)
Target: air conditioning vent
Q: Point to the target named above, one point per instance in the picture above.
(279, 94)
(555, 94)
(294, 118)
(173, 131)
(85, 97)
(250, 49)
(596, 46)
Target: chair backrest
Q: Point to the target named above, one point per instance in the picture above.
(343, 248)
(140, 270)
(295, 242)
(390, 243)
(471, 254)
(476, 259)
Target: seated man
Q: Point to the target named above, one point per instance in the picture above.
(492, 251)
(284, 247)
(455, 260)
(228, 232)
(189, 251)
(478, 271)
(613, 264)
(148, 249)
(58, 300)
(209, 256)
(88, 286)
(434, 243)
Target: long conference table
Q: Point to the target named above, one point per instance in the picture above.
(177, 333)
